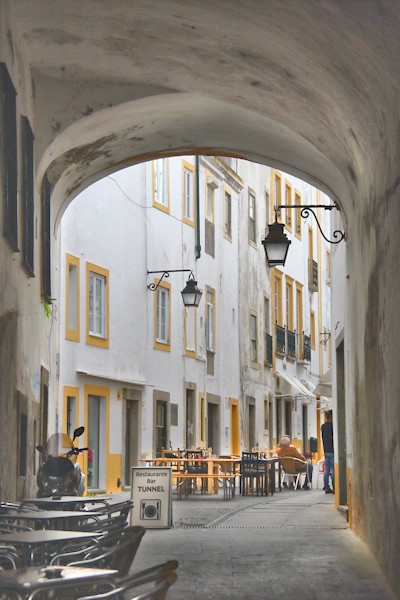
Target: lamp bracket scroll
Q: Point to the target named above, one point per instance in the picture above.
(191, 295)
(306, 209)
(276, 243)
(325, 335)
(152, 286)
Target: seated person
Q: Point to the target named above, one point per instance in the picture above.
(278, 446)
(285, 448)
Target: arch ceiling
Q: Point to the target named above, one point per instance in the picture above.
(311, 87)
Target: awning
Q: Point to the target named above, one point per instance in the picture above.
(324, 385)
(296, 385)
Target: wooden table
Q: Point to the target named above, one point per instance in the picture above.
(36, 545)
(215, 470)
(52, 582)
(53, 519)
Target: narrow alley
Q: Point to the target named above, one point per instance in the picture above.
(293, 545)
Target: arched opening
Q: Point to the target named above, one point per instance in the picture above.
(222, 376)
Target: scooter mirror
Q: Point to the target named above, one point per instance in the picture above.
(40, 448)
(78, 432)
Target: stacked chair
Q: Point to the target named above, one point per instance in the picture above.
(149, 584)
(115, 549)
(118, 556)
(9, 558)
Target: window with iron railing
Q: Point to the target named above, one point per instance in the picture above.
(268, 350)
(291, 344)
(280, 339)
(312, 275)
(306, 347)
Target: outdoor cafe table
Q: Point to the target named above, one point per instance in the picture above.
(69, 502)
(36, 545)
(53, 582)
(52, 519)
(215, 468)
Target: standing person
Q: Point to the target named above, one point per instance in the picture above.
(327, 440)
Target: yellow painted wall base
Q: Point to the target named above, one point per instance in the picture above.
(114, 472)
(349, 497)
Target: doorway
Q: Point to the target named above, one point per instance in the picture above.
(288, 418)
(341, 426)
(278, 417)
(190, 437)
(235, 428)
(252, 423)
(132, 432)
(213, 423)
(44, 405)
(161, 427)
(305, 428)
(96, 434)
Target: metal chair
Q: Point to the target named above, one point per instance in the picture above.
(194, 466)
(229, 485)
(149, 584)
(8, 527)
(9, 558)
(252, 471)
(119, 557)
(321, 470)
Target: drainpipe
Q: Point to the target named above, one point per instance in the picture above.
(198, 246)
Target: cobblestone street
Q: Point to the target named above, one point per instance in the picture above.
(293, 545)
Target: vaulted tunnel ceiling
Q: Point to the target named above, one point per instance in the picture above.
(311, 87)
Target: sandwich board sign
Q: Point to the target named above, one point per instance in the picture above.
(151, 492)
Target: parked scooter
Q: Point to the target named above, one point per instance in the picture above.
(59, 474)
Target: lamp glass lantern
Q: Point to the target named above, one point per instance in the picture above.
(276, 245)
(191, 295)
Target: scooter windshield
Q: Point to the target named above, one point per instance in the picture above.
(60, 444)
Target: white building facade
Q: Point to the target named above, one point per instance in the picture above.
(139, 370)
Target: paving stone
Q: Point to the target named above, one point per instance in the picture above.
(293, 545)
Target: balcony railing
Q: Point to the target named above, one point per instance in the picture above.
(285, 341)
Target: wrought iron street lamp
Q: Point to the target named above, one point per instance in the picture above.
(276, 243)
(191, 295)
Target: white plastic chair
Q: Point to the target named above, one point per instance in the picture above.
(321, 469)
(289, 469)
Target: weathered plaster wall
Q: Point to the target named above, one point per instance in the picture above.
(373, 388)
(8, 346)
